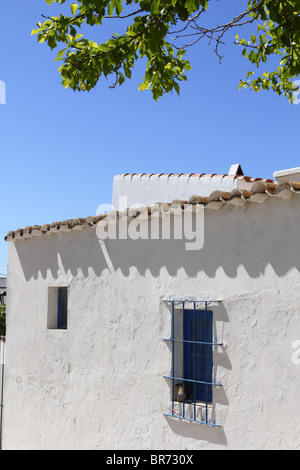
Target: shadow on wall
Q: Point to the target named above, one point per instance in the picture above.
(202, 433)
(253, 236)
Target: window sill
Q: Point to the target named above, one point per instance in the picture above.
(57, 329)
(198, 412)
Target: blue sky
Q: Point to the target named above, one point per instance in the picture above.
(60, 150)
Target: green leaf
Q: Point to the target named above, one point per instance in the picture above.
(144, 86)
(60, 55)
(36, 31)
(74, 7)
(121, 79)
(190, 5)
(252, 56)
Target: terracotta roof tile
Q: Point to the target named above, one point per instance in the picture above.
(261, 191)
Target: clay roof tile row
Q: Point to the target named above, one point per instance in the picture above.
(261, 191)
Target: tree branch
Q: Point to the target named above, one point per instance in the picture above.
(217, 32)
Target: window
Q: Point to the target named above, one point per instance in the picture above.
(57, 308)
(192, 344)
(198, 354)
(62, 308)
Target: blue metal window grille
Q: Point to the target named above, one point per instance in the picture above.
(62, 308)
(193, 340)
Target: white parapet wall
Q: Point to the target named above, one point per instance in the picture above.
(132, 190)
(290, 174)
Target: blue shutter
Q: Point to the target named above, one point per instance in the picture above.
(198, 354)
(62, 308)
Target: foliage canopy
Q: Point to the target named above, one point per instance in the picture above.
(161, 31)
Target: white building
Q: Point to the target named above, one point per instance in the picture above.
(2, 290)
(145, 342)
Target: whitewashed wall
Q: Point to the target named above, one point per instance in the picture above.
(99, 384)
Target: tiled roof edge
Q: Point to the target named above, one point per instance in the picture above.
(261, 191)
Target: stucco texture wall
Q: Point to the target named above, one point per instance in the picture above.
(99, 384)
